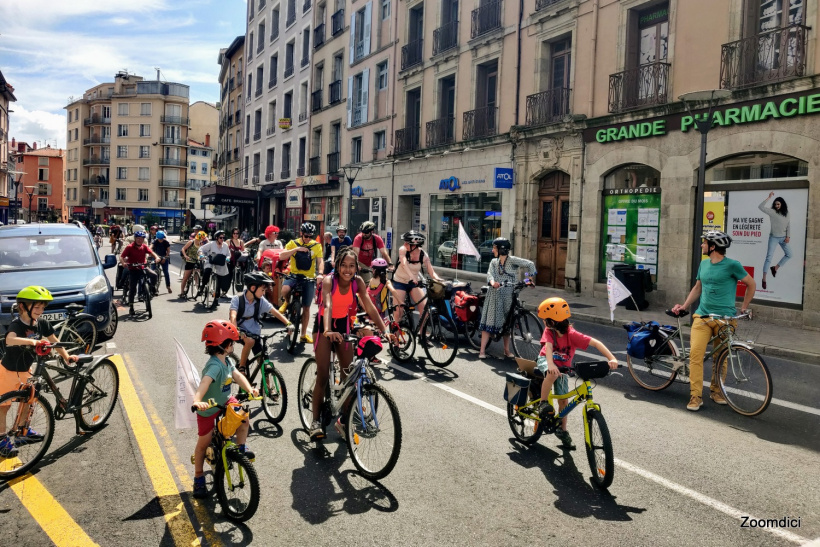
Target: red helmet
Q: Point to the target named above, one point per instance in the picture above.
(271, 230)
(216, 332)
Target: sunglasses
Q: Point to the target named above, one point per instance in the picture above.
(221, 237)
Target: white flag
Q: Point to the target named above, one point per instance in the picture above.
(187, 384)
(615, 292)
(465, 244)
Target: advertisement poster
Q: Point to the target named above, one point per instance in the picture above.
(764, 238)
(713, 214)
(631, 224)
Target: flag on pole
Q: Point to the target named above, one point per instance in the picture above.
(615, 292)
(187, 384)
(465, 244)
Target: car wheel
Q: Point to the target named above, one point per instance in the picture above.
(111, 329)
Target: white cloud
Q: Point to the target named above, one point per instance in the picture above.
(38, 125)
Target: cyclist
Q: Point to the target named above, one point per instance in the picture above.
(162, 247)
(341, 240)
(218, 255)
(380, 288)
(305, 257)
(28, 329)
(195, 230)
(716, 287)
(269, 242)
(115, 238)
(336, 311)
(408, 273)
(503, 268)
(217, 376)
(136, 253)
(247, 308)
(558, 343)
(236, 245)
(365, 244)
(152, 234)
(190, 252)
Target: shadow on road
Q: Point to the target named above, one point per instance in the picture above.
(575, 495)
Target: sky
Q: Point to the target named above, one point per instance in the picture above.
(51, 50)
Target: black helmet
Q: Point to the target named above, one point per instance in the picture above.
(256, 278)
(307, 228)
(413, 237)
(503, 244)
(367, 227)
(720, 239)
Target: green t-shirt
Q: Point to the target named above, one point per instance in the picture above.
(719, 286)
(220, 388)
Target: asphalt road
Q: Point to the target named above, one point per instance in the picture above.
(680, 478)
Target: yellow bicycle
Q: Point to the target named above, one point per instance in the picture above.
(527, 424)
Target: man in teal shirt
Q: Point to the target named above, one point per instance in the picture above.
(716, 286)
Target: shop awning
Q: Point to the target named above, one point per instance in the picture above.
(202, 214)
(223, 217)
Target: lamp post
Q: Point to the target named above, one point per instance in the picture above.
(351, 172)
(181, 217)
(703, 125)
(30, 192)
(16, 184)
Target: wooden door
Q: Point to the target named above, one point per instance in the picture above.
(553, 230)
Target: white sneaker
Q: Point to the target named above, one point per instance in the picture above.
(316, 431)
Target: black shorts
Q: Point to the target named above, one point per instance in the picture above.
(190, 266)
(336, 325)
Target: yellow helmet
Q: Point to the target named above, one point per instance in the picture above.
(200, 236)
(554, 308)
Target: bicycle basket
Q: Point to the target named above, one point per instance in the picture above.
(592, 369)
(747, 331)
(234, 416)
(436, 290)
(515, 392)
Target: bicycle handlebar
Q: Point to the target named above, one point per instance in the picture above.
(240, 397)
(714, 316)
(263, 337)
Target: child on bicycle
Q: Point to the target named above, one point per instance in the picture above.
(26, 331)
(219, 337)
(380, 287)
(559, 342)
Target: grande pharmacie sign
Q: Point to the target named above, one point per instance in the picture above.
(785, 106)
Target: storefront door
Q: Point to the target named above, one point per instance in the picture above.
(553, 229)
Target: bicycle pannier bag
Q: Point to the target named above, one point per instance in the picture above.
(234, 416)
(515, 391)
(435, 290)
(218, 259)
(304, 259)
(592, 370)
(466, 306)
(644, 339)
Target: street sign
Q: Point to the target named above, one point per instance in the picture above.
(388, 237)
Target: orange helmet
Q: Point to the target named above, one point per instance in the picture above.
(554, 308)
(216, 332)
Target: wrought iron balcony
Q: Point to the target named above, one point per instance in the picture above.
(285, 174)
(96, 161)
(257, 135)
(97, 140)
(315, 165)
(261, 45)
(269, 177)
(236, 154)
(173, 204)
(306, 6)
(335, 92)
(173, 141)
(172, 162)
(288, 70)
(300, 171)
(172, 183)
(486, 18)
(445, 37)
(258, 92)
(356, 115)
(334, 162)
(480, 122)
(272, 81)
(337, 22)
(440, 131)
(97, 180)
(303, 116)
(316, 100)
(646, 85)
(411, 54)
(237, 119)
(358, 50)
(291, 16)
(319, 36)
(230, 120)
(407, 140)
(176, 120)
(541, 4)
(771, 56)
(274, 32)
(97, 120)
(548, 106)
(305, 60)
(270, 131)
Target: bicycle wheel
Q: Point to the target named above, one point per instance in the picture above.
(99, 396)
(304, 395)
(295, 317)
(439, 338)
(526, 430)
(237, 488)
(657, 372)
(237, 284)
(275, 397)
(599, 450)
(744, 380)
(526, 336)
(147, 293)
(82, 333)
(472, 333)
(374, 432)
(406, 346)
(26, 452)
(209, 291)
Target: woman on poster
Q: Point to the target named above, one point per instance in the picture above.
(779, 234)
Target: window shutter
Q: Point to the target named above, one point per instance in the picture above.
(352, 37)
(349, 100)
(365, 88)
(368, 12)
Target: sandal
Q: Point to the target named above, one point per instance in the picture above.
(509, 355)
(482, 355)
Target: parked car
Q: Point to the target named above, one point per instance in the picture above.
(61, 258)
(446, 251)
(486, 250)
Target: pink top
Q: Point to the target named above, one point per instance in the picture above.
(566, 345)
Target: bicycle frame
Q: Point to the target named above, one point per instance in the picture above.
(725, 338)
(409, 306)
(356, 379)
(508, 321)
(581, 394)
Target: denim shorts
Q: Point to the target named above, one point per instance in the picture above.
(308, 289)
(561, 385)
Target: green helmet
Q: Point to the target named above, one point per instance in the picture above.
(34, 293)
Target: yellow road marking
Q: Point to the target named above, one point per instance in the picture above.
(201, 512)
(49, 514)
(179, 525)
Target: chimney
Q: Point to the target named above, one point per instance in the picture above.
(13, 143)
(34, 146)
(207, 140)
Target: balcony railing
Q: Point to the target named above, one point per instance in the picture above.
(335, 92)
(236, 154)
(771, 56)
(172, 183)
(358, 50)
(270, 131)
(316, 100)
(288, 70)
(97, 140)
(411, 54)
(274, 32)
(229, 121)
(548, 106)
(334, 162)
(96, 181)
(173, 141)
(440, 131)
(445, 37)
(176, 120)
(97, 120)
(285, 174)
(318, 36)
(291, 17)
(315, 165)
(96, 161)
(407, 140)
(237, 117)
(258, 92)
(172, 162)
(261, 46)
(356, 115)
(480, 122)
(337, 22)
(486, 18)
(305, 60)
(303, 116)
(257, 135)
(300, 171)
(174, 204)
(541, 4)
(646, 85)
(306, 6)
(269, 177)
(272, 81)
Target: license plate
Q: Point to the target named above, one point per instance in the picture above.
(51, 317)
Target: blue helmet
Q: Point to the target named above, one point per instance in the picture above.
(140, 234)
(160, 235)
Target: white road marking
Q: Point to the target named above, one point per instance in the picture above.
(110, 346)
(675, 487)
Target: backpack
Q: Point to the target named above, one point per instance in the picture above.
(240, 312)
(304, 260)
(644, 339)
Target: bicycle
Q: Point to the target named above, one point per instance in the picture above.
(294, 307)
(436, 332)
(143, 288)
(74, 327)
(97, 241)
(523, 396)
(371, 412)
(193, 287)
(744, 379)
(523, 327)
(223, 456)
(273, 390)
(243, 266)
(93, 394)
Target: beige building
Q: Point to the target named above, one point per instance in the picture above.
(7, 168)
(201, 152)
(127, 152)
(230, 120)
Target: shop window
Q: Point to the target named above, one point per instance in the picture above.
(632, 176)
(481, 214)
(750, 167)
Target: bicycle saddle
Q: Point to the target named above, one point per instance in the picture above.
(682, 313)
(83, 359)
